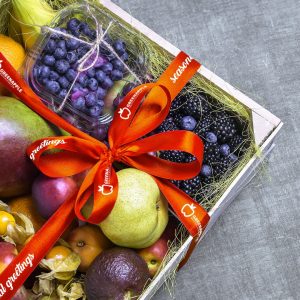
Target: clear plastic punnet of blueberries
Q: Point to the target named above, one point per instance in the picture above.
(82, 69)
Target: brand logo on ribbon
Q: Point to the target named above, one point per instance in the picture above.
(124, 113)
(188, 210)
(1, 61)
(106, 189)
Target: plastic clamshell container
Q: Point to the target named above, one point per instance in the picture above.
(102, 27)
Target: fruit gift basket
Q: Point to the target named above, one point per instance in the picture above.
(129, 151)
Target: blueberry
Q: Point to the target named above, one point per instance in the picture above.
(44, 71)
(72, 44)
(211, 137)
(116, 75)
(117, 101)
(100, 103)
(233, 157)
(53, 75)
(78, 103)
(72, 57)
(85, 29)
(119, 46)
(85, 91)
(92, 34)
(62, 66)
(36, 71)
(71, 75)
(76, 94)
(82, 79)
(92, 83)
(73, 24)
(95, 111)
(125, 56)
(49, 60)
(100, 76)
(43, 81)
(100, 93)
(107, 83)
(100, 132)
(188, 123)
(76, 87)
(206, 171)
(50, 46)
(127, 88)
(52, 86)
(62, 44)
(63, 30)
(90, 99)
(107, 68)
(54, 35)
(60, 53)
(118, 65)
(82, 50)
(91, 72)
(64, 82)
(63, 93)
(224, 150)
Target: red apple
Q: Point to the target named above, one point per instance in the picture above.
(49, 193)
(154, 255)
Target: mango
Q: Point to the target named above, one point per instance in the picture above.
(19, 127)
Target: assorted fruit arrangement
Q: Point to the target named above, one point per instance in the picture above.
(117, 258)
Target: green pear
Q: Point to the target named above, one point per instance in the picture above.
(140, 214)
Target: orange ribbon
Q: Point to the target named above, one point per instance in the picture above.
(141, 111)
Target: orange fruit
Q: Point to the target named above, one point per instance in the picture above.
(58, 252)
(13, 52)
(25, 205)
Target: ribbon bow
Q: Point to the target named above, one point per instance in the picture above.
(132, 121)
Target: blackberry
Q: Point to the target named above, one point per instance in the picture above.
(224, 126)
(189, 158)
(221, 167)
(167, 125)
(204, 126)
(189, 186)
(177, 119)
(237, 144)
(172, 155)
(177, 104)
(207, 180)
(176, 182)
(211, 153)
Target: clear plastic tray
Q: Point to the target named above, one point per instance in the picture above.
(81, 68)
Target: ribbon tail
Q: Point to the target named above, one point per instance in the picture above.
(37, 248)
(193, 216)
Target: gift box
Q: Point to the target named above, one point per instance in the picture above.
(259, 125)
